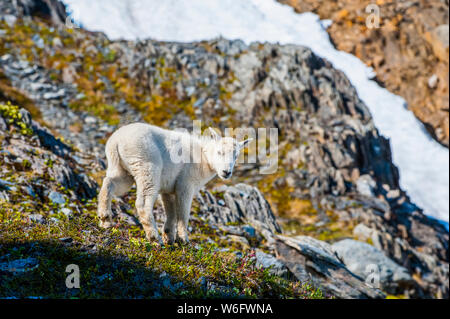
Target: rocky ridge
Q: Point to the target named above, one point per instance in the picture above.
(409, 51)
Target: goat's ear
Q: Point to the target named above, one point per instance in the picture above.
(244, 143)
(214, 134)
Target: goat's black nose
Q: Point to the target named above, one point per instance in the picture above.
(226, 173)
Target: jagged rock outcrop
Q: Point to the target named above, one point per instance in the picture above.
(336, 146)
(38, 164)
(361, 258)
(53, 10)
(330, 152)
(240, 204)
(409, 50)
(52, 100)
(410, 239)
(311, 260)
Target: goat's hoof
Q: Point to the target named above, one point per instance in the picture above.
(167, 240)
(160, 242)
(106, 224)
(157, 241)
(183, 241)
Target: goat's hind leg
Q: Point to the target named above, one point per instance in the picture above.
(112, 186)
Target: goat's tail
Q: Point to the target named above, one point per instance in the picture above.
(112, 154)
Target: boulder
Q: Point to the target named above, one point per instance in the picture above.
(242, 204)
(57, 198)
(365, 260)
(438, 39)
(53, 10)
(313, 261)
(365, 185)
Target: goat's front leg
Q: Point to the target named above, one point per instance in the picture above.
(183, 208)
(147, 193)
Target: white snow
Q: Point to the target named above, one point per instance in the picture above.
(423, 163)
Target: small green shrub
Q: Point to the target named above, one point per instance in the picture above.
(11, 113)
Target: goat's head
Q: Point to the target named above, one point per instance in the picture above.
(223, 152)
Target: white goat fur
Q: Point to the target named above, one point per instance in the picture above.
(140, 153)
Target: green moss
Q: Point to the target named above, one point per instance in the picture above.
(12, 115)
(9, 93)
(130, 260)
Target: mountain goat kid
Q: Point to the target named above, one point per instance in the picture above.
(144, 154)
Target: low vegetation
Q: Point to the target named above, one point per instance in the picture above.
(119, 262)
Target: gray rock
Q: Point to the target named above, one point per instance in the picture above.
(19, 265)
(314, 107)
(66, 239)
(362, 259)
(37, 218)
(362, 232)
(105, 277)
(90, 120)
(57, 198)
(127, 218)
(276, 267)
(233, 230)
(440, 41)
(3, 125)
(29, 190)
(4, 196)
(242, 241)
(38, 41)
(243, 204)
(365, 185)
(26, 116)
(9, 19)
(313, 261)
(67, 212)
(54, 220)
(393, 193)
(57, 43)
(5, 184)
(54, 95)
(249, 231)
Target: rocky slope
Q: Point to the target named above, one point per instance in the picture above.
(48, 221)
(409, 51)
(335, 179)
